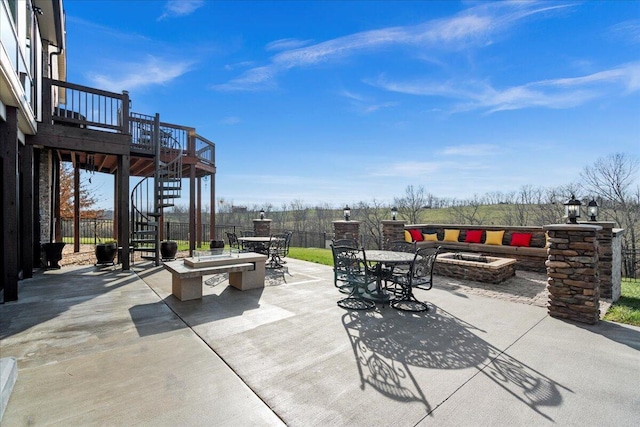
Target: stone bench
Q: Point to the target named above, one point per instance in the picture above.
(530, 258)
(246, 271)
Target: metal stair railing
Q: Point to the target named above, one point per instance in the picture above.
(154, 193)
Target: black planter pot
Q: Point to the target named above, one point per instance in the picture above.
(106, 253)
(168, 250)
(216, 244)
(52, 254)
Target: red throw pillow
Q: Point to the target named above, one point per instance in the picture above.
(473, 236)
(416, 235)
(521, 239)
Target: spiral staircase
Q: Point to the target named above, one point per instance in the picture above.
(154, 193)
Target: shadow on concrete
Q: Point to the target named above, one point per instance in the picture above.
(388, 344)
(52, 292)
(614, 331)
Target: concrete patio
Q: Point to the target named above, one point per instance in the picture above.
(106, 347)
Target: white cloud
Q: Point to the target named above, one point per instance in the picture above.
(176, 8)
(471, 150)
(152, 71)
(473, 26)
(230, 120)
(285, 44)
(627, 31)
(557, 93)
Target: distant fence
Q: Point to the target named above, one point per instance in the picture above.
(630, 264)
(93, 231)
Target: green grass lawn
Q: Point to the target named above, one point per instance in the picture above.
(317, 255)
(627, 308)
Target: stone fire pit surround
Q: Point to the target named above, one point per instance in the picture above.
(472, 266)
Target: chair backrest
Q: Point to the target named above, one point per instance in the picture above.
(348, 242)
(233, 240)
(347, 260)
(402, 246)
(422, 267)
(247, 233)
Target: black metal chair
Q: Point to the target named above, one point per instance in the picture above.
(350, 242)
(350, 270)
(401, 269)
(234, 243)
(283, 251)
(420, 275)
(275, 250)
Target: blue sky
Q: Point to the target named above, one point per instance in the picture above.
(339, 102)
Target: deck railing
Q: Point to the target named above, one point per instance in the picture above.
(82, 106)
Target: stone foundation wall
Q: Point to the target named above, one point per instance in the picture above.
(476, 274)
(572, 270)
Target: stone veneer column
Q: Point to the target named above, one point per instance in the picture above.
(346, 230)
(605, 257)
(392, 231)
(262, 227)
(572, 270)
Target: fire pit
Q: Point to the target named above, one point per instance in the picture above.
(476, 267)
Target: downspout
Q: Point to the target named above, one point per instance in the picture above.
(57, 16)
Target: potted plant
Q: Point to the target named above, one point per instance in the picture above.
(52, 254)
(168, 250)
(216, 246)
(106, 253)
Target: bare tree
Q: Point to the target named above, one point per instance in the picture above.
(612, 179)
(370, 217)
(410, 206)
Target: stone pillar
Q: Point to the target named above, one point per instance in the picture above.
(262, 227)
(346, 230)
(572, 270)
(392, 231)
(605, 257)
(616, 264)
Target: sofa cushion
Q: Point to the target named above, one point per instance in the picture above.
(521, 239)
(416, 235)
(451, 235)
(473, 236)
(494, 237)
(430, 237)
(407, 236)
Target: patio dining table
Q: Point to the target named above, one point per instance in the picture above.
(259, 244)
(384, 259)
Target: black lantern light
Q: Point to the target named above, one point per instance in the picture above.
(592, 209)
(572, 209)
(261, 213)
(347, 213)
(394, 213)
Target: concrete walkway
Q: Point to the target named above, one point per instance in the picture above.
(103, 347)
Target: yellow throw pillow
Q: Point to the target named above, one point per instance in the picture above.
(494, 237)
(407, 236)
(433, 237)
(451, 235)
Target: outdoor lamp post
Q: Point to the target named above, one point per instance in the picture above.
(394, 213)
(261, 213)
(572, 209)
(592, 209)
(347, 213)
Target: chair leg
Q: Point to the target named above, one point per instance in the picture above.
(355, 301)
(408, 302)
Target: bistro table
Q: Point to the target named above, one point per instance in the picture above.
(256, 243)
(384, 258)
(259, 244)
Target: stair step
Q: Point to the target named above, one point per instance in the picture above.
(143, 241)
(145, 232)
